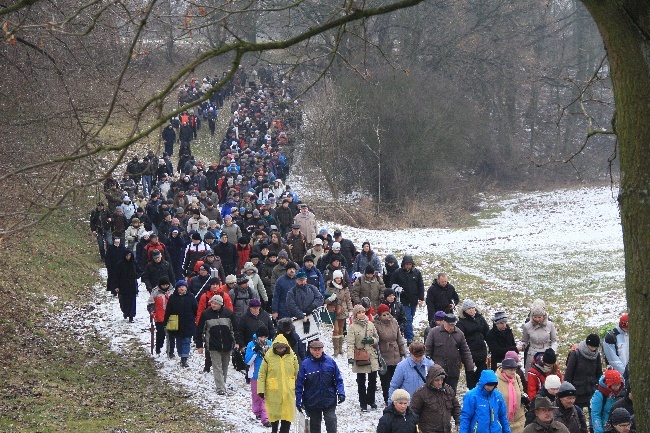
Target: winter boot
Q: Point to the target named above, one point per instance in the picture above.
(184, 363)
(338, 345)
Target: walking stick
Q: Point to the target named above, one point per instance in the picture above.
(151, 329)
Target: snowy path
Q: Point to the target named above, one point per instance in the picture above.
(543, 241)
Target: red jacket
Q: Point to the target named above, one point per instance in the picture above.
(537, 379)
(204, 301)
(160, 305)
(244, 255)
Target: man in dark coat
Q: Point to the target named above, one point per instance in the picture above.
(409, 278)
(441, 296)
(500, 339)
(169, 137)
(155, 270)
(228, 254)
(114, 254)
(475, 329)
(348, 250)
(251, 321)
(100, 226)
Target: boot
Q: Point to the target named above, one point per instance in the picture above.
(184, 362)
(338, 345)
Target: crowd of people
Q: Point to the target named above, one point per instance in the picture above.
(235, 262)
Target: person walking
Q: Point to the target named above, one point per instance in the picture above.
(183, 305)
(216, 330)
(362, 338)
(436, 403)
(339, 296)
(276, 383)
(319, 388)
(410, 373)
(544, 420)
(398, 416)
(409, 278)
(391, 346)
(127, 285)
(513, 394)
(255, 351)
(484, 409)
(475, 328)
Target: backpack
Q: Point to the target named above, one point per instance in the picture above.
(568, 355)
(610, 338)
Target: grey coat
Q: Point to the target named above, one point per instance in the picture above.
(357, 332)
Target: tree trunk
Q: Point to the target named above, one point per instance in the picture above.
(625, 29)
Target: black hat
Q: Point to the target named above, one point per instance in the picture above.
(163, 280)
(213, 280)
(290, 265)
(370, 269)
(196, 237)
(593, 340)
(308, 258)
(620, 415)
(155, 253)
(295, 226)
(262, 331)
(337, 233)
(242, 240)
(509, 363)
(388, 292)
(450, 318)
(549, 356)
(272, 253)
(242, 279)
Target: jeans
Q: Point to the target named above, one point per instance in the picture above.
(315, 416)
(183, 346)
(146, 184)
(101, 238)
(408, 328)
(220, 362)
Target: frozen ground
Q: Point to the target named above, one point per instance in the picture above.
(546, 244)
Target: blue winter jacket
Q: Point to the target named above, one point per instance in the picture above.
(315, 278)
(302, 300)
(601, 406)
(254, 357)
(406, 376)
(282, 287)
(319, 382)
(483, 411)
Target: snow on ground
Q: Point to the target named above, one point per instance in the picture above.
(564, 236)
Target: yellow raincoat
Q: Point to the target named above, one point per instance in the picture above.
(277, 380)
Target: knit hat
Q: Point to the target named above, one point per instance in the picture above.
(336, 246)
(213, 281)
(383, 308)
(511, 354)
(216, 299)
(388, 292)
(301, 275)
(180, 283)
(620, 415)
(365, 302)
(500, 317)
(566, 390)
(358, 309)
(283, 254)
(163, 280)
(450, 318)
(254, 303)
(593, 340)
(538, 308)
(196, 237)
(262, 331)
(337, 274)
(467, 304)
(155, 253)
(308, 258)
(623, 322)
(292, 265)
(552, 382)
(549, 356)
(612, 377)
(231, 279)
(440, 315)
(509, 363)
(400, 395)
(369, 270)
(242, 279)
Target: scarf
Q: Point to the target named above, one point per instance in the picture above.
(338, 286)
(513, 400)
(584, 350)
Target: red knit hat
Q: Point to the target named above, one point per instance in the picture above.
(383, 308)
(612, 377)
(623, 322)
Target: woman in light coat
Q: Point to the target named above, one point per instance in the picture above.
(276, 384)
(512, 389)
(363, 335)
(539, 333)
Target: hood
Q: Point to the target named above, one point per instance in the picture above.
(128, 252)
(487, 376)
(285, 326)
(407, 259)
(434, 371)
(281, 339)
(249, 266)
(390, 259)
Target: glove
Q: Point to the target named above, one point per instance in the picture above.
(350, 361)
(332, 298)
(398, 289)
(525, 401)
(300, 409)
(341, 398)
(367, 340)
(260, 395)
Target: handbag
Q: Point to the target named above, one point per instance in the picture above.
(383, 367)
(362, 356)
(172, 323)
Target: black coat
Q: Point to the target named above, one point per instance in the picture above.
(186, 307)
(114, 256)
(499, 343)
(247, 325)
(126, 276)
(475, 329)
(393, 422)
(412, 284)
(154, 271)
(439, 298)
(229, 257)
(584, 374)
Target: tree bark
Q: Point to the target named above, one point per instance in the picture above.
(625, 28)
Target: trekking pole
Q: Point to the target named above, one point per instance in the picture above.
(151, 329)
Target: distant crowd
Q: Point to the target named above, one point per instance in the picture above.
(237, 264)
